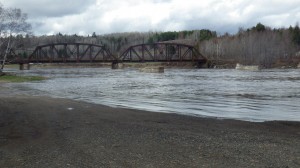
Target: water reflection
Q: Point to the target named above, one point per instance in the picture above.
(246, 95)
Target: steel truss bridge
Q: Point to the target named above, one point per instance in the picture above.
(70, 52)
(84, 52)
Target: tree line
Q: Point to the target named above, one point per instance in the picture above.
(259, 45)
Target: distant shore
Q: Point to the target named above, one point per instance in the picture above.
(98, 65)
(48, 132)
(211, 64)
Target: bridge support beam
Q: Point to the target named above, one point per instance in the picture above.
(117, 65)
(23, 66)
(202, 64)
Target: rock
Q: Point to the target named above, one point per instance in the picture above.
(153, 69)
(247, 67)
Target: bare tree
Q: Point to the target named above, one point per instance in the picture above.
(12, 23)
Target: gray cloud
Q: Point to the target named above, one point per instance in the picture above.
(108, 16)
(51, 8)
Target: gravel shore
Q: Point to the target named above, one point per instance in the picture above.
(47, 132)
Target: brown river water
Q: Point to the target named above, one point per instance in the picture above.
(244, 95)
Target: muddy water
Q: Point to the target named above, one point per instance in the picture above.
(245, 95)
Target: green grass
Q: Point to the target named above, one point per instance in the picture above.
(17, 79)
(12, 66)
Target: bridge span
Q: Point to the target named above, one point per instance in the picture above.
(86, 52)
(70, 52)
(162, 52)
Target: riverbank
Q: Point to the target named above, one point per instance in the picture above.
(211, 64)
(9, 77)
(48, 132)
(231, 64)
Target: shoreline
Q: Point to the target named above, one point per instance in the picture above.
(6, 90)
(52, 132)
(212, 64)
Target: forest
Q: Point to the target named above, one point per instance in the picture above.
(257, 45)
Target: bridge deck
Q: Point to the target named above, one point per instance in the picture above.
(88, 53)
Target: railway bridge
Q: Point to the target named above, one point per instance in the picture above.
(93, 53)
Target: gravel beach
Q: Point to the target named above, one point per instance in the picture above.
(47, 132)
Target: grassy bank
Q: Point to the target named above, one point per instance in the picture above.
(16, 78)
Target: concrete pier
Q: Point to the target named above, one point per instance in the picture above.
(117, 65)
(23, 66)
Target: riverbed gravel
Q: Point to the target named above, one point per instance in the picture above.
(46, 132)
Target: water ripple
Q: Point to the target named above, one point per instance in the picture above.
(245, 95)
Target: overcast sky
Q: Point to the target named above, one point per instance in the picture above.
(108, 16)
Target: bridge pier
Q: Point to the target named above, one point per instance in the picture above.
(23, 66)
(117, 65)
(202, 64)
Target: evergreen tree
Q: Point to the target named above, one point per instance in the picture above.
(259, 27)
(206, 34)
(94, 34)
(296, 35)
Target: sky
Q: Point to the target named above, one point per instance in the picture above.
(84, 17)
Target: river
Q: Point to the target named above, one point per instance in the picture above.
(263, 95)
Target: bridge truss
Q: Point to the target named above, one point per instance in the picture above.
(84, 52)
(70, 52)
(162, 52)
